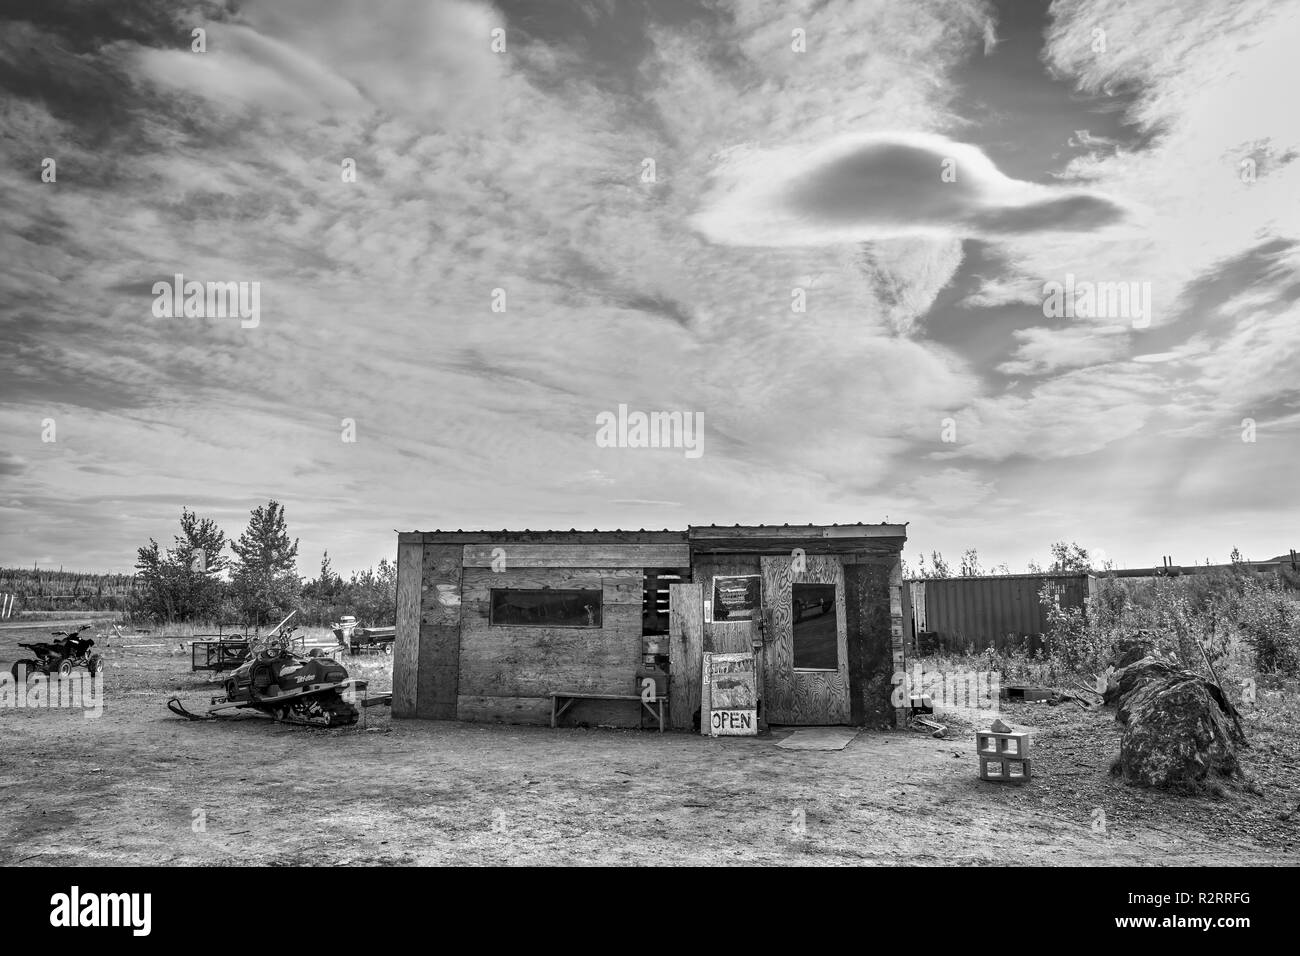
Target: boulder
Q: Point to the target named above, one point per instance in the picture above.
(1000, 727)
(1129, 650)
(1178, 727)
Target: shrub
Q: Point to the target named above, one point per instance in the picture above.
(1269, 621)
(1202, 622)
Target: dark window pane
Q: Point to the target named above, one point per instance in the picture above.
(545, 607)
(816, 644)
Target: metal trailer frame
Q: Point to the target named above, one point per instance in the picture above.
(223, 654)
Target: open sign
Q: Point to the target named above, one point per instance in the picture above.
(730, 694)
(734, 722)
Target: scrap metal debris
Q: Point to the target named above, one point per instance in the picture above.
(929, 726)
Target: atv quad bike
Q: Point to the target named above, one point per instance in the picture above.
(60, 656)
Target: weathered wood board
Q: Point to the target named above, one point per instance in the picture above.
(516, 556)
(871, 652)
(721, 636)
(439, 669)
(685, 643)
(406, 644)
(440, 585)
(537, 711)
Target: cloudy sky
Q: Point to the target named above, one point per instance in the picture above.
(655, 188)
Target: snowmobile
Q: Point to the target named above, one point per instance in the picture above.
(292, 688)
(60, 656)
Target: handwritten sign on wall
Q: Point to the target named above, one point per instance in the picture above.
(731, 690)
(736, 598)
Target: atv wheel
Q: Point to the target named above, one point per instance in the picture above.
(65, 668)
(388, 648)
(95, 664)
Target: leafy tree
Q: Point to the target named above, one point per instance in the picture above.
(184, 582)
(1069, 559)
(1033, 567)
(970, 564)
(372, 594)
(328, 584)
(938, 566)
(265, 578)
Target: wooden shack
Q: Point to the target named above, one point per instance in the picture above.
(490, 624)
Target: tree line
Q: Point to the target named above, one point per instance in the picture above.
(257, 583)
(1070, 558)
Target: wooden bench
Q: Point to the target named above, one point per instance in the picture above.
(568, 697)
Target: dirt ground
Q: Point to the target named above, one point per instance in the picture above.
(140, 786)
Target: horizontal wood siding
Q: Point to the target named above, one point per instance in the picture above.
(515, 556)
(537, 710)
(541, 537)
(520, 666)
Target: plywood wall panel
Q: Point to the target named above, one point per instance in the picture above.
(685, 650)
(440, 585)
(440, 610)
(872, 649)
(804, 697)
(734, 637)
(406, 644)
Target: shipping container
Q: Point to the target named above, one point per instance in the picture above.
(1000, 611)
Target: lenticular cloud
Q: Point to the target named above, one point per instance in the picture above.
(885, 186)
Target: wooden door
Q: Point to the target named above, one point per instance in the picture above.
(685, 653)
(808, 696)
